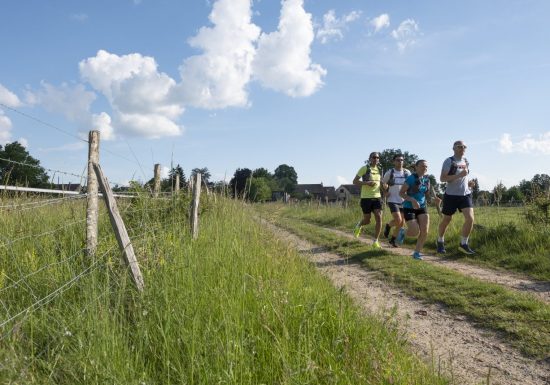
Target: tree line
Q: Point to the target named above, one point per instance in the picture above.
(19, 168)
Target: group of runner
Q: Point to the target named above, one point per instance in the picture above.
(407, 194)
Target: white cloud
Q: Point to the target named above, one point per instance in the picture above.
(164, 171)
(333, 26)
(283, 59)
(406, 34)
(24, 142)
(342, 180)
(8, 98)
(140, 96)
(5, 128)
(381, 21)
(527, 145)
(218, 77)
(80, 17)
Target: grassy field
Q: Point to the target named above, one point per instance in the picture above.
(502, 237)
(236, 306)
(523, 319)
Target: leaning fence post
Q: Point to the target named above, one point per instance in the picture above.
(92, 212)
(120, 230)
(195, 206)
(156, 189)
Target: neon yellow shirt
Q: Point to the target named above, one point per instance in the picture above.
(370, 191)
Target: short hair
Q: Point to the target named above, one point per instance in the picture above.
(457, 142)
(398, 156)
(420, 161)
(374, 153)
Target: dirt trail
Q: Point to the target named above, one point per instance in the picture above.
(539, 289)
(460, 350)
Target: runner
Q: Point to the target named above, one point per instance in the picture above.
(392, 182)
(414, 192)
(458, 196)
(368, 177)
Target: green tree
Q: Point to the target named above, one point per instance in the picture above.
(178, 170)
(26, 172)
(239, 181)
(259, 190)
(386, 158)
(205, 174)
(286, 177)
(262, 173)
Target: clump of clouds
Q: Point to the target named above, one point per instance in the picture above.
(333, 27)
(527, 145)
(283, 60)
(140, 96)
(9, 99)
(218, 77)
(380, 22)
(406, 34)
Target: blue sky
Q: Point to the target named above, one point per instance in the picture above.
(314, 84)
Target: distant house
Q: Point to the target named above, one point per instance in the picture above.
(315, 192)
(279, 195)
(348, 191)
(67, 187)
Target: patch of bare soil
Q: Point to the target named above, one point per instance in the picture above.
(539, 289)
(453, 345)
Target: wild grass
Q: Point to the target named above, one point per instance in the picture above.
(502, 237)
(524, 320)
(236, 306)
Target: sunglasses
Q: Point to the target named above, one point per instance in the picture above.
(399, 160)
(461, 146)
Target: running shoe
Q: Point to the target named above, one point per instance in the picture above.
(387, 231)
(440, 247)
(416, 255)
(400, 236)
(376, 245)
(357, 229)
(465, 248)
(392, 242)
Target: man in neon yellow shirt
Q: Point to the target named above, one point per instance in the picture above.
(368, 177)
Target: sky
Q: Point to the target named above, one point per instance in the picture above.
(314, 84)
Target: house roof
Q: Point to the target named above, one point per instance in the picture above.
(330, 192)
(316, 189)
(352, 189)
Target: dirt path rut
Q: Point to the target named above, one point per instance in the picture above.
(459, 349)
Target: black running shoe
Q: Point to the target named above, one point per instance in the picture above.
(465, 248)
(440, 247)
(387, 231)
(392, 242)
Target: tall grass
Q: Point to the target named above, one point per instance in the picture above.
(502, 237)
(236, 306)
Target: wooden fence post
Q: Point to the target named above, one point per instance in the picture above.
(195, 206)
(92, 212)
(119, 228)
(156, 189)
(177, 184)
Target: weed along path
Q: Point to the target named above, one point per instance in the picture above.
(539, 289)
(451, 344)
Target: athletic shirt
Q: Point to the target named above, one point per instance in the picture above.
(370, 191)
(422, 189)
(459, 186)
(399, 178)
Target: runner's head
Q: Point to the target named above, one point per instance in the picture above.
(374, 158)
(459, 148)
(421, 167)
(398, 160)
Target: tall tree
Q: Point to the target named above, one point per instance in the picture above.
(386, 158)
(205, 174)
(262, 173)
(286, 177)
(259, 190)
(239, 181)
(26, 172)
(178, 170)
